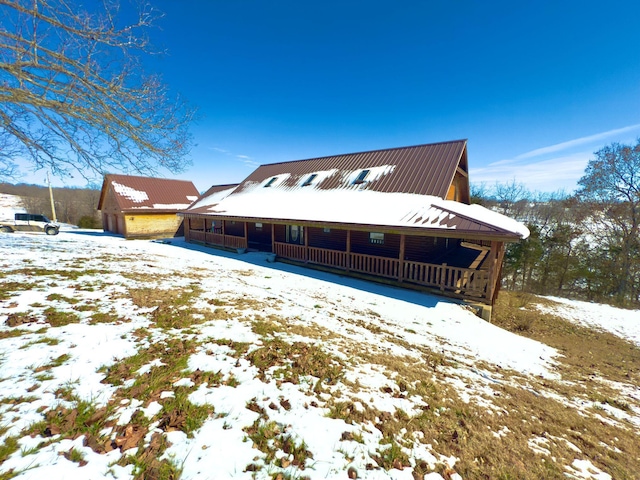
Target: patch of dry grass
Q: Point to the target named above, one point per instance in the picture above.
(294, 361)
(586, 352)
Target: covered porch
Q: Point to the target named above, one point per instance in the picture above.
(466, 268)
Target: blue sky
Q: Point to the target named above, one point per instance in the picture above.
(535, 87)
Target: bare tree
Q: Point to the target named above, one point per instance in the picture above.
(611, 183)
(512, 197)
(72, 95)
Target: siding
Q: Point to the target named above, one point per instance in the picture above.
(360, 243)
(234, 228)
(158, 225)
(427, 249)
(333, 240)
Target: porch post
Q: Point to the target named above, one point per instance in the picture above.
(273, 238)
(305, 234)
(498, 272)
(493, 256)
(348, 250)
(246, 240)
(401, 263)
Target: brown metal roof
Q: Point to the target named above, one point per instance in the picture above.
(422, 169)
(133, 193)
(218, 188)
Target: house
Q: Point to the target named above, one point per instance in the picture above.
(144, 207)
(400, 215)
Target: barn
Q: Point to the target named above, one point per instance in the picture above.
(144, 207)
(399, 215)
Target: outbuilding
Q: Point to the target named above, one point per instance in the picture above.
(144, 207)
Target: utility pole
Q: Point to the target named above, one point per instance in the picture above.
(53, 207)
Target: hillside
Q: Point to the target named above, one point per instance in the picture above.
(9, 205)
(162, 360)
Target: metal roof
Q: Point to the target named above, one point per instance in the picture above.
(398, 188)
(422, 169)
(133, 193)
(421, 214)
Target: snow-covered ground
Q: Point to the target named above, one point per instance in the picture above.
(352, 321)
(624, 323)
(9, 205)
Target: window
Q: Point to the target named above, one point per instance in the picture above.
(376, 238)
(216, 227)
(270, 182)
(326, 230)
(361, 177)
(258, 226)
(310, 180)
(295, 234)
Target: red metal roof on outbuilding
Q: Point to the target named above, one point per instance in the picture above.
(134, 193)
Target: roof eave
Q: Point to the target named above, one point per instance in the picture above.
(399, 229)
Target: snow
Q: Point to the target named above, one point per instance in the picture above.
(353, 206)
(385, 319)
(171, 206)
(214, 198)
(620, 322)
(9, 206)
(131, 193)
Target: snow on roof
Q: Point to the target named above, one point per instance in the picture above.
(130, 193)
(423, 169)
(213, 198)
(360, 208)
(147, 193)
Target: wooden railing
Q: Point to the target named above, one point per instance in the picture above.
(235, 242)
(214, 238)
(323, 256)
(197, 235)
(467, 281)
(209, 238)
(383, 266)
(293, 252)
(462, 281)
(422, 273)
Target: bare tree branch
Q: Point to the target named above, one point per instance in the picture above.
(72, 96)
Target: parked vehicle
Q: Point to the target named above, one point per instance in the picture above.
(28, 222)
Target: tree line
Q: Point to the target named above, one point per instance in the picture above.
(585, 245)
(76, 206)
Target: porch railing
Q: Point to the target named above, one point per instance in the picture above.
(323, 256)
(463, 281)
(209, 238)
(292, 252)
(383, 266)
(196, 235)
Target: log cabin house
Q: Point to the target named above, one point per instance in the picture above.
(400, 215)
(144, 207)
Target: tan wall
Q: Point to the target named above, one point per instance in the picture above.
(109, 204)
(158, 225)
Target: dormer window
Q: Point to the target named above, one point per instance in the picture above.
(310, 180)
(270, 182)
(361, 177)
